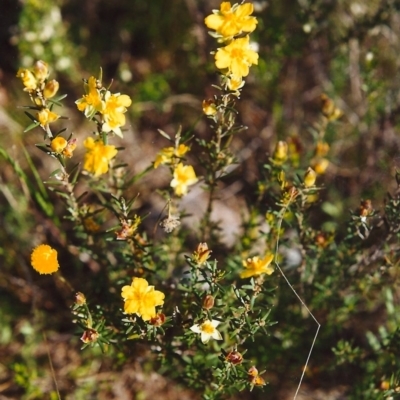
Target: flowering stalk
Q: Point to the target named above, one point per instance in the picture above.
(231, 26)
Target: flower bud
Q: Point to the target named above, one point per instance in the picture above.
(208, 302)
(321, 165)
(282, 178)
(201, 254)
(321, 240)
(41, 70)
(235, 358)
(90, 336)
(253, 371)
(71, 146)
(51, 89)
(328, 108)
(385, 385)
(80, 299)
(309, 178)
(321, 149)
(281, 152)
(39, 102)
(58, 144)
(366, 208)
(158, 320)
(209, 107)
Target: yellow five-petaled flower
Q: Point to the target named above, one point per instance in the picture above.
(113, 112)
(45, 117)
(184, 176)
(91, 102)
(98, 156)
(255, 266)
(231, 21)
(142, 299)
(237, 57)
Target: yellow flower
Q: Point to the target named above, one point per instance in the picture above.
(44, 259)
(280, 153)
(58, 144)
(237, 57)
(201, 254)
(328, 108)
(141, 299)
(254, 266)
(231, 21)
(113, 112)
(167, 153)
(91, 102)
(209, 107)
(97, 156)
(207, 330)
(45, 116)
(164, 156)
(184, 176)
(28, 79)
(235, 83)
(80, 299)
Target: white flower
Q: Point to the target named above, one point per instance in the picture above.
(207, 330)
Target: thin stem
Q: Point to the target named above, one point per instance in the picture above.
(283, 211)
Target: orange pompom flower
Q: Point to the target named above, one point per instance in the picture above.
(44, 259)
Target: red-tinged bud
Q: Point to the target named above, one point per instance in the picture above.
(208, 302)
(235, 358)
(158, 320)
(90, 336)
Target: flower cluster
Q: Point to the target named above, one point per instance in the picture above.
(183, 175)
(109, 107)
(232, 24)
(141, 301)
(40, 89)
(60, 145)
(254, 377)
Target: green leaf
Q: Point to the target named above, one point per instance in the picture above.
(31, 126)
